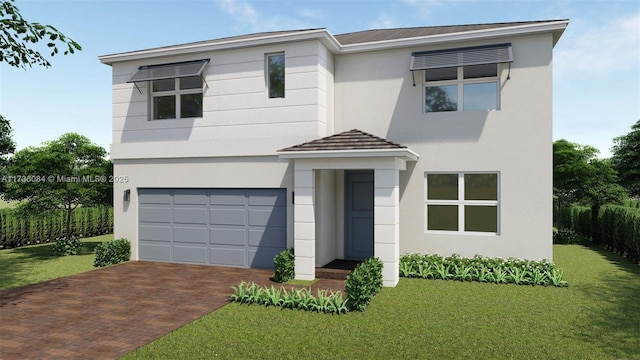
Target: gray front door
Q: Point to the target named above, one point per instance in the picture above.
(229, 227)
(358, 215)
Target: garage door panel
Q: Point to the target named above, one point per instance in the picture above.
(228, 197)
(193, 235)
(228, 256)
(155, 214)
(226, 236)
(154, 196)
(268, 216)
(267, 197)
(190, 216)
(228, 216)
(269, 237)
(228, 227)
(155, 252)
(189, 197)
(262, 257)
(190, 254)
(155, 233)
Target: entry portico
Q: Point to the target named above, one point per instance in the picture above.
(334, 198)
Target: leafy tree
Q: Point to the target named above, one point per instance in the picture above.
(7, 147)
(626, 159)
(64, 174)
(580, 177)
(17, 36)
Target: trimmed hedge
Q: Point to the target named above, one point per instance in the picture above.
(363, 283)
(618, 228)
(18, 230)
(284, 266)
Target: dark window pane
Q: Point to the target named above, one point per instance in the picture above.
(482, 96)
(481, 218)
(442, 217)
(276, 76)
(441, 98)
(481, 186)
(190, 105)
(441, 74)
(191, 82)
(164, 107)
(164, 85)
(478, 71)
(442, 186)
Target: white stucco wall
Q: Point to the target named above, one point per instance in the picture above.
(374, 93)
(238, 117)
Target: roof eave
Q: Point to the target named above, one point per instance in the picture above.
(403, 153)
(556, 27)
(318, 34)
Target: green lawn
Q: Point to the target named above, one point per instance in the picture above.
(596, 317)
(7, 204)
(32, 264)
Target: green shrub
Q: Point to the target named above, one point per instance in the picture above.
(64, 246)
(566, 237)
(363, 283)
(284, 266)
(481, 269)
(112, 252)
(302, 299)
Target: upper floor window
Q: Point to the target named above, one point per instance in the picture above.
(461, 79)
(463, 88)
(177, 98)
(175, 88)
(275, 75)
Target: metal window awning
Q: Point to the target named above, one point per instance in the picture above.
(169, 71)
(477, 55)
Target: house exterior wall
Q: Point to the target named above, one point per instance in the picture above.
(244, 172)
(238, 117)
(515, 141)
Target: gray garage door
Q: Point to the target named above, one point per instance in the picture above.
(230, 227)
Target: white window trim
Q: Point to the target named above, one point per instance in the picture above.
(176, 93)
(461, 81)
(461, 204)
(266, 74)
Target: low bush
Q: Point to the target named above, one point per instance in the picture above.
(284, 266)
(566, 237)
(481, 269)
(65, 247)
(112, 252)
(363, 283)
(303, 299)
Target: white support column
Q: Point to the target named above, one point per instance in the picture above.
(304, 224)
(386, 223)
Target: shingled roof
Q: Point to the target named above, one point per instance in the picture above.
(349, 140)
(366, 36)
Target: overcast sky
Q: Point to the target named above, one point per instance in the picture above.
(596, 63)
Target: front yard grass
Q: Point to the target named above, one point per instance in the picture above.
(596, 317)
(33, 264)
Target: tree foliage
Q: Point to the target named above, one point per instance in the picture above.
(7, 147)
(626, 159)
(61, 174)
(580, 177)
(18, 36)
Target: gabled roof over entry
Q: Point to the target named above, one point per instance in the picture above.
(349, 140)
(352, 143)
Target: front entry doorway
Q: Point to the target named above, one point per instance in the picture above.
(358, 238)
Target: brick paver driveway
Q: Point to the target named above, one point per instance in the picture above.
(109, 312)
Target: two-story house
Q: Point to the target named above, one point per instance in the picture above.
(373, 143)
